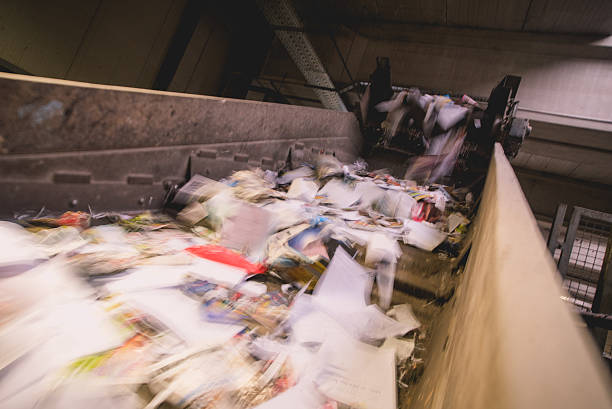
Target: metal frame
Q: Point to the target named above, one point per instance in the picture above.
(398, 88)
(583, 290)
(570, 236)
(598, 317)
(190, 18)
(280, 13)
(555, 229)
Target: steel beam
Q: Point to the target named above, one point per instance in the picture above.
(568, 243)
(189, 20)
(281, 13)
(555, 229)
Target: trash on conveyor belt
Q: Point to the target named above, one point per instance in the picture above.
(261, 290)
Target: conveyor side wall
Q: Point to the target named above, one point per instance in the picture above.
(68, 145)
(507, 340)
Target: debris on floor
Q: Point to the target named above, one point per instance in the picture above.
(261, 290)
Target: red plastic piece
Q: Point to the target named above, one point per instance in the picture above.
(75, 219)
(224, 255)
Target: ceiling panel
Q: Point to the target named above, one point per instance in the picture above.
(497, 14)
(521, 159)
(570, 16)
(593, 173)
(555, 16)
(420, 11)
(560, 166)
(537, 162)
(356, 11)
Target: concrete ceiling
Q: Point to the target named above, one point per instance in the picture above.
(551, 16)
(567, 151)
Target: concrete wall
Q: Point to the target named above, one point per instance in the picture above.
(110, 42)
(561, 73)
(545, 191)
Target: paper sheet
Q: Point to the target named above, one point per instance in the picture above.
(341, 232)
(198, 187)
(286, 213)
(397, 204)
(385, 279)
(193, 213)
(369, 193)
(403, 313)
(339, 194)
(85, 328)
(450, 114)
(383, 251)
(381, 247)
(288, 177)
(24, 382)
(345, 284)
(358, 375)
(149, 277)
(87, 391)
(343, 293)
(369, 324)
(60, 240)
(18, 249)
(455, 220)
(310, 324)
(44, 286)
(277, 243)
(252, 288)
(304, 190)
(108, 234)
(246, 230)
(422, 236)
(71, 330)
(304, 395)
(182, 315)
(18, 337)
(346, 215)
(403, 348)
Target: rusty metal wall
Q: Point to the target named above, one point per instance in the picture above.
(69, 145)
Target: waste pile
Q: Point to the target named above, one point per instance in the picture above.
(262, 290)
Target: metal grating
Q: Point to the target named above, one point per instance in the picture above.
(288, 28)
(586, 259)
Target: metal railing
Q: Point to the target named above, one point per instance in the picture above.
(583, 256)
(584, 262)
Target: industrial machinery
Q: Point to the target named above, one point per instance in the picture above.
(407, 126)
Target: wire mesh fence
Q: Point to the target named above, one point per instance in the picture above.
(586, 261)
(583, 257)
